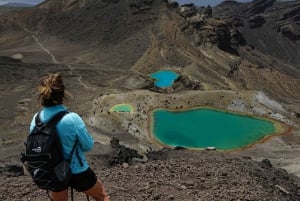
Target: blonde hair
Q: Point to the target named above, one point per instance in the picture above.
(51, 90)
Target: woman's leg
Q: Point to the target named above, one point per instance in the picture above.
(60, 196)
(97, 192)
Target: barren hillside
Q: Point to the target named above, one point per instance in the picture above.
(235, 57)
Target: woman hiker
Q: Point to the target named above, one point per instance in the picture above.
(70, 128)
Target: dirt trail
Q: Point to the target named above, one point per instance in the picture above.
(79, 77)
(42, 46)
(35, 38)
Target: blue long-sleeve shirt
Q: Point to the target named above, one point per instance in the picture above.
(69, 128)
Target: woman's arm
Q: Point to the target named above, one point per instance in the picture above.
(85, 139)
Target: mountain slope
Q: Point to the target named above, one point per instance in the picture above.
(271, 26)
(135, 38)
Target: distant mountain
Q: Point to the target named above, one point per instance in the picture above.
(7, 8)
(21, 5)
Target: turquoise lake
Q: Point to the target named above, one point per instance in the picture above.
(201, 128)
(164, 78)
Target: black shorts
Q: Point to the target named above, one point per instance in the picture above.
(83, 181)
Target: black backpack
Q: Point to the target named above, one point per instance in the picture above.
(43, 157)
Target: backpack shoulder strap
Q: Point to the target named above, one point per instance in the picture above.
(56, 118)
(73, 150)
(53, 121)
(38, 121)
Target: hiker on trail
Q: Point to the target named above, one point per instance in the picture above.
(70, 129)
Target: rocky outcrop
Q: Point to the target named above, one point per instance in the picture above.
(139, 6)
(258, 6)
(291, 32)
(292, 14)
(289, 23)
(218, 32)
(208, 30)
(256, 21)
(261, 20)
(122, 154)
(188, 10)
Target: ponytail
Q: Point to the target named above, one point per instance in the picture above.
(51, 90)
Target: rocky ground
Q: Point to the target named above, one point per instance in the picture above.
(204, 175)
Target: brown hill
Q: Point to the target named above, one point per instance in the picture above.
(146, 36)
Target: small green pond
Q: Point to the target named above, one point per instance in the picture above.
(202, 127)
(121, 108)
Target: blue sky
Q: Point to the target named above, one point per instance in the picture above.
(21, 1)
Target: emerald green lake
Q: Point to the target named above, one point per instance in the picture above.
(201, 128)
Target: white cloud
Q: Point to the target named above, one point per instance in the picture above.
(3, 2)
